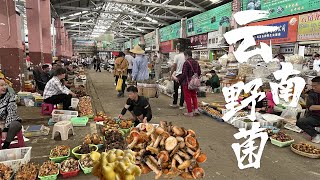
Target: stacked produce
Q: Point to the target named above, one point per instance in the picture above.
(5, 172)
(109, 125)
(281, 136)
(116, 164)
(69, 165)
(307, 148)
(48, 168)
(212, 111)
(93, 139)
(86, 161)
(59, 151)
(85, 106)
(85, 149)
(114, 140)
(126, 124)
(27, 171)
(167, 150)
(100, 116)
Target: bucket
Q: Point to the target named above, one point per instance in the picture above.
(74, 102)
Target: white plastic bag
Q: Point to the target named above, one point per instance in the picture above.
(170, 87)
(290, 113)
(28, 102)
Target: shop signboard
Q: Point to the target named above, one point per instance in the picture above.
(150, 40)
(166, 47)
(286, 33)
(309, 27)
(170, 32)
(127, 45)
(280, 8)
(215, 39)
(136, 41)
(210, 20)
(85, 43)
(199, 41)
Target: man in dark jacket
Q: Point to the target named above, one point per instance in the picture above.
(312, 118)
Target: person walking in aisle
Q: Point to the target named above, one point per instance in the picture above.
(98, 63)
(129, 58)
(140, 71)
(176, 71)
(190, 68)
(120, 71)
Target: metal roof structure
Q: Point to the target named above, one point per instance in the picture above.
(124, 18)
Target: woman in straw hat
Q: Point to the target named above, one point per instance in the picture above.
(140, 70)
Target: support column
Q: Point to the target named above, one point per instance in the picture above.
(58, 27)
(34, 31)
(236, 6)
(46, 30)
(71, 47)
(11, 52)
(66, 47)
(63, 41)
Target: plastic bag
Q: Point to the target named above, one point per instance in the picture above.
(170, 87)
(119, 84)
(28, 102)
(290, 113)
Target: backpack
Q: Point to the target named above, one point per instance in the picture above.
(195, 82)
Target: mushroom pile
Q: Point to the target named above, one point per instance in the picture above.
(167, 150)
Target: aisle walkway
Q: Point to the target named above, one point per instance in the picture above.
(215, 139)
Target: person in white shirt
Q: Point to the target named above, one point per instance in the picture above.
(176, 71)
(55, 92)
(130, 59)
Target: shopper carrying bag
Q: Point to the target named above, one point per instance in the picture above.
(120, 72)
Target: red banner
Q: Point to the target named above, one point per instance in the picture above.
(166, 47)
(287, 32)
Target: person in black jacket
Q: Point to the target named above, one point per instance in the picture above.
(138, 106)
(312, 117)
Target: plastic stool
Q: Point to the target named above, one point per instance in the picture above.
(62, 127)
(18, 137)
(46, 109)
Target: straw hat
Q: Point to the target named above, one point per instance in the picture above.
(137, 50)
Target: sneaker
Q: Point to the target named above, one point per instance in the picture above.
(196, 112)
(173, 105)
(316, 139)
(188, 114)
(181, 107)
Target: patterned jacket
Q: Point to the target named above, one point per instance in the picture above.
(8, 109)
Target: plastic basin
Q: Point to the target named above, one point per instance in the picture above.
(79, 121)
(281, 144)
(51, 177)
(69, 174)
(86, 170)
(59, 159)
(77, 155)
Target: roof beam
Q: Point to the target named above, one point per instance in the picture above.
(132, 26)
(195, 4)
(182, 8)
(128, 21)
(74, 22)
(77, 31)
(65, 2)
(118, 12)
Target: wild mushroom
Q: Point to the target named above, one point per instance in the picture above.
(202, 158)
(144, 168)
(191, 132)
(184, 165)
(154, 168)
(163, 124)
(156, 143)
(150, 129)
(178, 158)
(164, 135)
(198, 173)
(175, 150)
(178, 131)
(174, 171)
(153, 159)
(153, 150)
(179, 138)
(190, 141)
(186, 175)
(195, 154)
(135, 135)
(163, 157)
(159, 130)
(184, 155)
(143, 127)
(170, 143)
(182, 144)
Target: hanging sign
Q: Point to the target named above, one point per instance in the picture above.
(309, 27)
(136, 41)
(210, 20)
(287, 30)
(199, 41)
(166, 47)
(150, 40)
(280, 8)
(127, 45)
(170, 32)
(215, 39)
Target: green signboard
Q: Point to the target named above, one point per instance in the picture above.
(210, 20)
(150, 39)
(127, 45)
(170, 32)
(136, 41)
(280, 8)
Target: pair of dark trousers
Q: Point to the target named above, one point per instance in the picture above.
(176, 86)
(124, 78)
(98, 68)
(12, 130)
(60, 98)
(307, 124)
